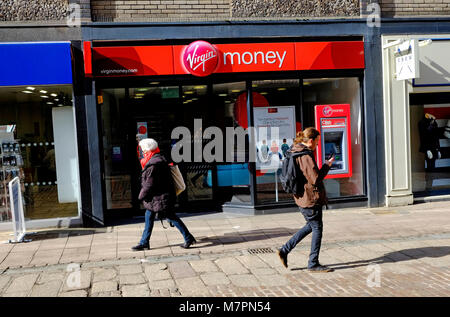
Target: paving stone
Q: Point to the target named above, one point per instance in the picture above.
(22, 283)
(48, 277)
(181, 269)
(263, 271)
(141, 290)
(131, 279)
(154, 273)
(191, 286)
(49, 289)
(104, 274)
(252, 262)
(230, 266)
(4, 280)
(215, 278)
(201, 266)
(272, 280)
(16, 294)
(107, 294)
(79, 293)
(104, 286)
(244, 280)
(155, 267)
(19, 259)
(162, 284)
(130, 269)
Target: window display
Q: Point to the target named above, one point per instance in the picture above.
(38, 144)
(347, 175)
(276, 105)
(430, 148)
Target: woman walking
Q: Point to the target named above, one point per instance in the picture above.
(312, 200)
(158, 194)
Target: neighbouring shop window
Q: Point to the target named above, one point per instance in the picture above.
(38, 144)
(275, 105)
(233, 178)
(331, 91)
(430, 148)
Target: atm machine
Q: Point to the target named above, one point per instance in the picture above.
(333, 123)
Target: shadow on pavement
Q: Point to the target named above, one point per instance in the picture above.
(393, 257)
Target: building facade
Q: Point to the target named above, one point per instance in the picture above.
(129, 80)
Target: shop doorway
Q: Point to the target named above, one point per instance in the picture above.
(131, 114)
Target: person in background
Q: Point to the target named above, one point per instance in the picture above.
(158, 194)
(284, 147)
(312, 200)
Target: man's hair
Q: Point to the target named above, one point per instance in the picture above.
(148, 144)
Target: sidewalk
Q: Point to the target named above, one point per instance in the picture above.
(403, 251)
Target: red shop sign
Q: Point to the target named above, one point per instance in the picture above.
(201, 58)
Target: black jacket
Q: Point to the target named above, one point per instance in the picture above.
(157, 191)
(429, 135)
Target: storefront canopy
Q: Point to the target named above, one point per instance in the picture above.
(35, 64)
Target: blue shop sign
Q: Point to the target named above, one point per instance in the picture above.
(35, 64)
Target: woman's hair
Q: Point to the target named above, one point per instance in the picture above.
(307, 134)
(148, 145)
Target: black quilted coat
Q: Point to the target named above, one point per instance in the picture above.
(157, 191)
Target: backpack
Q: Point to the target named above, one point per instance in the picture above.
(292, 178)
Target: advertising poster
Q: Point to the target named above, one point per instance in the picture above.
(272, 146)
(142, 130)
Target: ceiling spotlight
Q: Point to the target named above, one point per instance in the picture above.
(54, 95)
(43, 91)
(31, 88)
(26, 92)
(44, 96)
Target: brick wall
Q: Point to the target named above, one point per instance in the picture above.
(150, 10)
(414, 7)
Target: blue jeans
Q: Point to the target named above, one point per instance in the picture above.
(150, 220)
(314, 224)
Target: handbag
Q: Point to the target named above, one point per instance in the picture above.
(178, 180)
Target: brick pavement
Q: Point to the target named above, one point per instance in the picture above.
(402, 251)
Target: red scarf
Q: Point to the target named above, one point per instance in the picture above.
(148, 156)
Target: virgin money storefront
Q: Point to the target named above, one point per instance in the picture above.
(190, 95)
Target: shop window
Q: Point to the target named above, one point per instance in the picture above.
(430, 148)
(197, 114)
(233, 176)
(38, 144)
(275, 105)
(333, 91)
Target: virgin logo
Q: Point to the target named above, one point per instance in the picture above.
(327, 111)
(200, 58)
